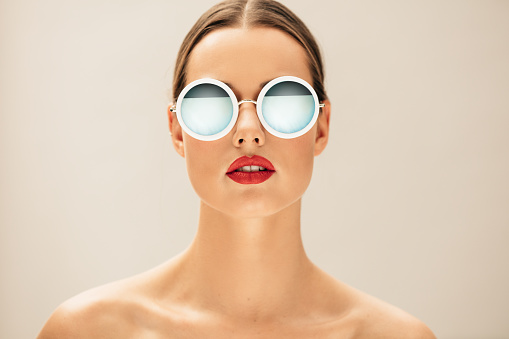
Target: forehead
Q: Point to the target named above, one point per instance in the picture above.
(247, 55)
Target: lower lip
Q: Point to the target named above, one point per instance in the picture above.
(250, 178)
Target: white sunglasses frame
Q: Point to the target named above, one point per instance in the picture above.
(236, 104)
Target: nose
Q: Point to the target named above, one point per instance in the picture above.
(248, 130)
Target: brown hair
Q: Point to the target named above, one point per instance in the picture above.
(250, 13)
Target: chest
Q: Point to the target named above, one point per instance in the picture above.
(195, 329)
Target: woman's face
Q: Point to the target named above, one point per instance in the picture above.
(246, 59)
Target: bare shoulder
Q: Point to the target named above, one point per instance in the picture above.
(378, 319)
(357, 315)
(390, 322)
(108, 311)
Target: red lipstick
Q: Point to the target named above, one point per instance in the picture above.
(248, 171)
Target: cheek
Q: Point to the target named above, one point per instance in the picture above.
(296, 167)
(201, 162)
(301, 161)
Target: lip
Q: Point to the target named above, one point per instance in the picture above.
(250, 178)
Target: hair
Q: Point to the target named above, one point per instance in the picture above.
(250, 13)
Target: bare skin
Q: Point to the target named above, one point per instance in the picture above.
(246, 274)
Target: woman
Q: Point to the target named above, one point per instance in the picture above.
(250, 113)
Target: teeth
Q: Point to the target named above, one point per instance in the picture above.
(251, 169)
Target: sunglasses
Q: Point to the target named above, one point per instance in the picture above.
(207, 109)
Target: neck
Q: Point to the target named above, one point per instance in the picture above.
(248, 267)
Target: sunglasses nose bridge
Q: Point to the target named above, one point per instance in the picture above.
(254, 108)
(249, 131)
(247, 100)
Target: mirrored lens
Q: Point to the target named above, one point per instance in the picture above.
(206, 109)
(288, 107)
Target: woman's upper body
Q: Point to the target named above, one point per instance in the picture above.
(246, 274)
(162, 303)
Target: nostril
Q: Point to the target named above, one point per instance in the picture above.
(257, 140)
(241, 141)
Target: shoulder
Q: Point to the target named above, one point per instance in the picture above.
(378, 319)
(355, 314)
(128, 308)
(103, 312)
(394, 325)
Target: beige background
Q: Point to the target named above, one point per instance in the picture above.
(408, 203)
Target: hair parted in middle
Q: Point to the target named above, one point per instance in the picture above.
(248, 14)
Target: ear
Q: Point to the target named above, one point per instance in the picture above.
(322, 131)
(176, 132)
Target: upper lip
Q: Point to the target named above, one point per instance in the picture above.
(255, 160)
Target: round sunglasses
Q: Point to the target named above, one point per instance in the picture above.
(207, 109)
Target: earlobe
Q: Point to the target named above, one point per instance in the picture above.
(322, 132)
(176, 132)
